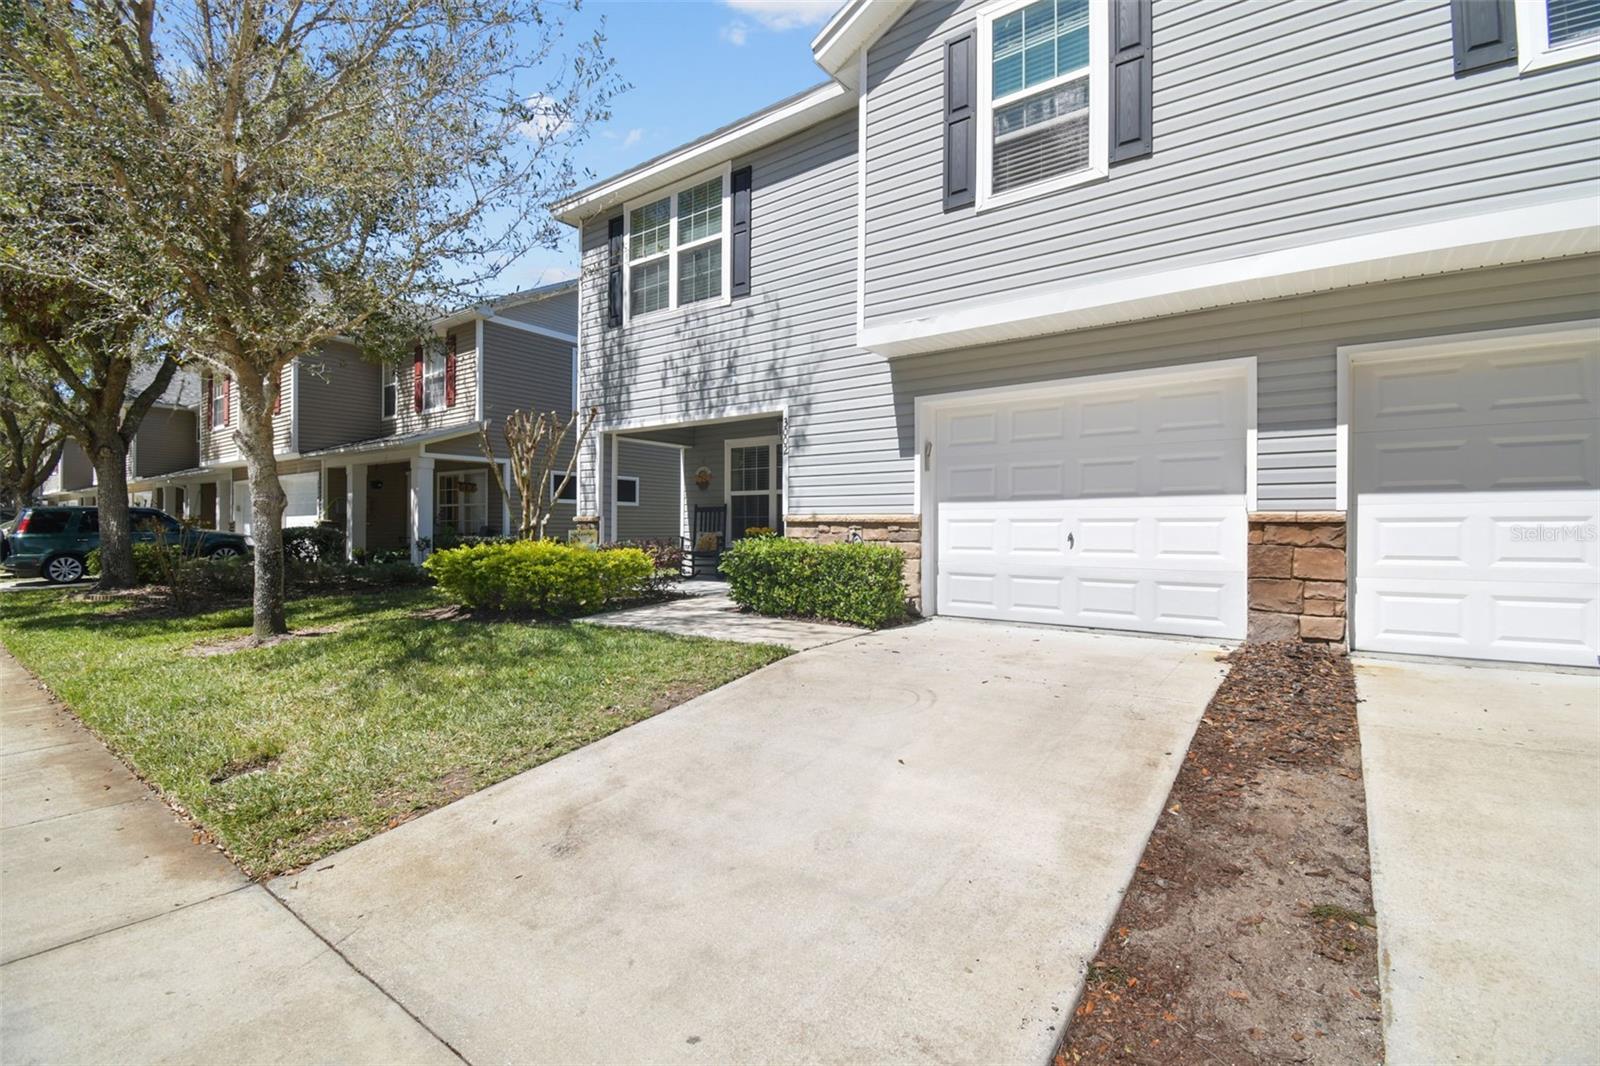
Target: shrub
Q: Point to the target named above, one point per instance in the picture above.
(147, 568)
(667, 558)
(542, 576)
(314, 544)
(856, 583)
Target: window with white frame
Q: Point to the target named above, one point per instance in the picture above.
(627, 490)
(1042, 106)
(433, 371)
(562, 488)
(1552, 32)
(219, 401)
(390, 402)
(463, 502)
(676, 247)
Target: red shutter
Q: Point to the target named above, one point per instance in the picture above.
(277, 403)
(227, 401)
(416, 378)
(450, 371)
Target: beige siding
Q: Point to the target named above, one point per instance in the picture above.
(217, 443)
(340, 398)
(462, 413)
(165, 442)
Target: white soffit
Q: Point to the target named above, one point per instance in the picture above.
(1523, 234)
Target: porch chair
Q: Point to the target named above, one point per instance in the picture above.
(708, 521)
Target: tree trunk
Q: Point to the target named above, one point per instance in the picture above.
(267, 503)
(110, 454)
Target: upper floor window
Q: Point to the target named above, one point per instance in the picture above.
(433, 372)
(390, 402)
(219, 401)
(675, 247)
(1552, 32)
(1041, 97)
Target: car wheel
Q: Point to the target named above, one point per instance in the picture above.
(63, 569)
(226, 551)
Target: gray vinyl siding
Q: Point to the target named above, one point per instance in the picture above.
(340, 398)
(788, 346)
(1274, 126)
(1295, 343)
(659, 513)
(73, 472)
(165, 442)
(527, 372)
(558, 312)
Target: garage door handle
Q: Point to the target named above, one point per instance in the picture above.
(1069, 540)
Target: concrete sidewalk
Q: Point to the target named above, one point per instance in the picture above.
(122, 940)
(1483, 811)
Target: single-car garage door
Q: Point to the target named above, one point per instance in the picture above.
(1476, 482)
(1119, 504)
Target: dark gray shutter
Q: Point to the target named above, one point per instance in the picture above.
(1131, 117)
(1484, 33)
(961, 120)
(614, 273)
(741, 232)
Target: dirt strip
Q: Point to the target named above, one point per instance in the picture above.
(1247, 933)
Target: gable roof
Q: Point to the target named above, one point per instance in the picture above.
(853, 27)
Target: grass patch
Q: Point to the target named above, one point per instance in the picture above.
(1332, 912)
(289, 752)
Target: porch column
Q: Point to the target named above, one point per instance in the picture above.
(420, 524)
(355, 509)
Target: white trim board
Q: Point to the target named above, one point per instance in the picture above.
(1478, 342)
(1544, 231)
(924, 407)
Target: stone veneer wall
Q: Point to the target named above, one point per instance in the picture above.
(1297, 576)
(903, 531)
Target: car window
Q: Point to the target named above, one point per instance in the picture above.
(148, 521)
(46, 521)
(88, 521)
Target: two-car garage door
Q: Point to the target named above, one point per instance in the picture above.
(1118, 505)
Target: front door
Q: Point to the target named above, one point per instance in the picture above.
(755, 485)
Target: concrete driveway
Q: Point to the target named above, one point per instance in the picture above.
(898, 847)
(1483, 812)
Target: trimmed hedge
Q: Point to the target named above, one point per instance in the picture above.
(542, 576)
(856, 583)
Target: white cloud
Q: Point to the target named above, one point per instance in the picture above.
(547, 121)
(735, 33)
(634, 136)
(785, 14)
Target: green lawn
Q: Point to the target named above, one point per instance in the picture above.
(289, 752)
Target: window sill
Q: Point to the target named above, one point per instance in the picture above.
(1559, 57)
(994, 201)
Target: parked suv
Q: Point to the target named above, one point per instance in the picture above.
(53, 542)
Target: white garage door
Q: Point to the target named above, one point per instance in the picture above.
(1477, 498)
(301, 491)
(1117, 506)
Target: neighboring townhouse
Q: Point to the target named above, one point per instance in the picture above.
(393, 454)
(1189, 318)
(165, 443)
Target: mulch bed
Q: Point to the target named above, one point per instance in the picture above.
(1247, 933)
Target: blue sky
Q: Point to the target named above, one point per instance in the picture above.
(694, 65)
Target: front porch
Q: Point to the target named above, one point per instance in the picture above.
(731, 473)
